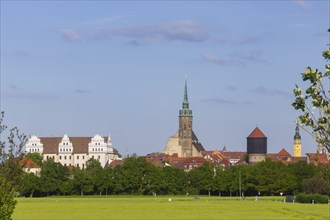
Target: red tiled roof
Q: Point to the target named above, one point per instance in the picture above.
(257, 133)
(283, 153)
(318, 158)
(28, 163)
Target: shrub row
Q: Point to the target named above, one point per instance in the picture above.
(308, 198)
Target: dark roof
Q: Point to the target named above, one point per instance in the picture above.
(80, 144)
(196, 143)
(50, 144)
(257, 133)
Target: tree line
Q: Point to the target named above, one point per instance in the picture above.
(139, 177)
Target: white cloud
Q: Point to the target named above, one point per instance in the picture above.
(70, 35)
(220, 60)
(303, 4)
(183, 30)
(268, 91)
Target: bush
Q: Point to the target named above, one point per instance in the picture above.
(308, 198)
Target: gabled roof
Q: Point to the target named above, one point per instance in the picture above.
(257, 133)
(283, 153)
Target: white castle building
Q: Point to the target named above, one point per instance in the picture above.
(73, 151)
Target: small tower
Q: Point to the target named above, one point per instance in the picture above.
(297, 142)
(256, 146)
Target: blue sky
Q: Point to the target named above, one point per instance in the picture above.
(86, 68)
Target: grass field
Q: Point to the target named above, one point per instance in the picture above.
(147, 207)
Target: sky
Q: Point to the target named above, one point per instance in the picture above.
(116, 68)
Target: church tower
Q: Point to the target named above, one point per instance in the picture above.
(297, 142)
(185, 142)
(185, 126)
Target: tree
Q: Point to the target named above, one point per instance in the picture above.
(30, 184)
(52, 175)
(7, 202)
(314, 103)
(35, 157)
(316, 184)
(10, 169)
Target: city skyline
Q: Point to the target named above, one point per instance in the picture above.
(86, 68)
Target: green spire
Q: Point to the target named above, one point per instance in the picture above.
(185, 111)
(185, 104)
(297, 135)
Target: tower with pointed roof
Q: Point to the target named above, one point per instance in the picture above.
(185, 126)
(185, 142)
(256, 146)
(297, 142)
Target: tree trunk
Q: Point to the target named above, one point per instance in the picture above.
(230, 193)
(81, 192)
(106, 191)
(209, 192)
(219, 193)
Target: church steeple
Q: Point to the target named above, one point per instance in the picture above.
(185, 111)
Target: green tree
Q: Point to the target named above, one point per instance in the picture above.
(10, 169)
(7, 202)
(30, 184)
(51, 176)
(314, 103)
(201, 178)
(82, 182)
(35, 157)
(175, 180)
(316, 184)
(94, 171)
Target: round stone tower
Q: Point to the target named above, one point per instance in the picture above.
(256, 146)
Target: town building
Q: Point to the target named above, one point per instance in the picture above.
(73, 151)
(185, 142)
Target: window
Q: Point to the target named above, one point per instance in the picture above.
(70, 157)
(83, 157)
(60, 157)
(64, 157)
(47, 157)
(98, 157)
(83, 165)
(77, 164)
(65, 164)
(93, 157)
(77, 157)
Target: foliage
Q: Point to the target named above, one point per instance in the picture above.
(35, 157)
(309, 198)
(314, 103)
(7, 202)
(316, 185)
(51, 176)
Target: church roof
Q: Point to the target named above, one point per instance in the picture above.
(257, 133)
(196, 143)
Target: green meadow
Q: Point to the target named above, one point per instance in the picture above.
(180, 207)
